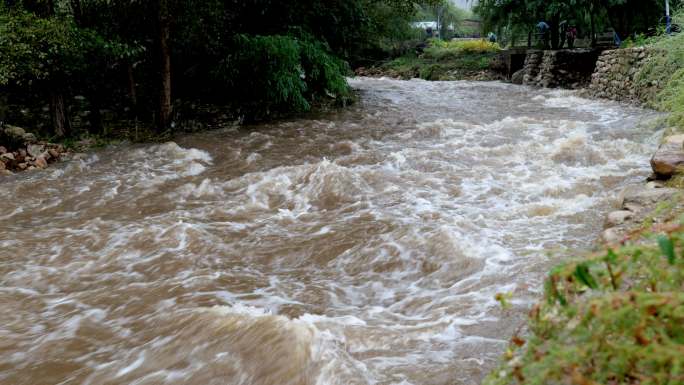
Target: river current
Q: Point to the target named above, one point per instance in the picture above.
(365, 246)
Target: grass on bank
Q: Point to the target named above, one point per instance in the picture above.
(666, 73)
(442, 60)
(616, 317)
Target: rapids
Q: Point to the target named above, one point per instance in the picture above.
(361, 247)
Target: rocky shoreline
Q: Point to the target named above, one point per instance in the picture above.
(652, 204)
(454, 75)
(22, 151)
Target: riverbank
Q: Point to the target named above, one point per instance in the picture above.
(616, 316)
(443, 61)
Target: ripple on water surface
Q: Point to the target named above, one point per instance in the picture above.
(363, 247)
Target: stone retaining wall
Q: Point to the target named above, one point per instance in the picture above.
(553, 69)
(617, 72)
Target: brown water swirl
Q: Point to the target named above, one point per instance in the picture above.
(361, 247)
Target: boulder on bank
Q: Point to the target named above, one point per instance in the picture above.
(669, 159)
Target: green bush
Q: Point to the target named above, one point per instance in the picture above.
(442, 50)
(271, 75)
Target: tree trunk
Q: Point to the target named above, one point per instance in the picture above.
(164, 113)
(132, 93)
(78, 13)
(60, 120)
(95, 117)
(593, 29)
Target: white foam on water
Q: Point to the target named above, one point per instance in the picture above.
(363, 249)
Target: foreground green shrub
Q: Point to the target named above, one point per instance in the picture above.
(614, 318)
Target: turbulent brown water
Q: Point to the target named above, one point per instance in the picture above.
(362, 247)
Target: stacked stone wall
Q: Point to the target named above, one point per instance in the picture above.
(617, 75)
(559, 69)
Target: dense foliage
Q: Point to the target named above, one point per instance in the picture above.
(140, 59)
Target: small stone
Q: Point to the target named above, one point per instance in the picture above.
(53, 153)
(22, 153)
(41, 162)
(35, 149)
(619, 217)
(7, 155)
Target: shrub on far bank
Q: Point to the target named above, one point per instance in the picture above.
(443, 50)
(266, 76)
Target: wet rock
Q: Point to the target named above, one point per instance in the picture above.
(619, 217)
(29, 138)
(637, 196)
(79, 155)
(14, 131)
(676, 139)
(7, 156)
(611, 236)
(2, 166)
(655, 184)
(53, 153)
(41, 162)
(22, 166)
(669, 159)
(35, 149)
(518, 77)
(21, 153)
(6, 172)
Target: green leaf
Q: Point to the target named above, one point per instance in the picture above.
(667, 247)
(583, 275)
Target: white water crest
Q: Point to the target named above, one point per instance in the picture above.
(361, 247)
